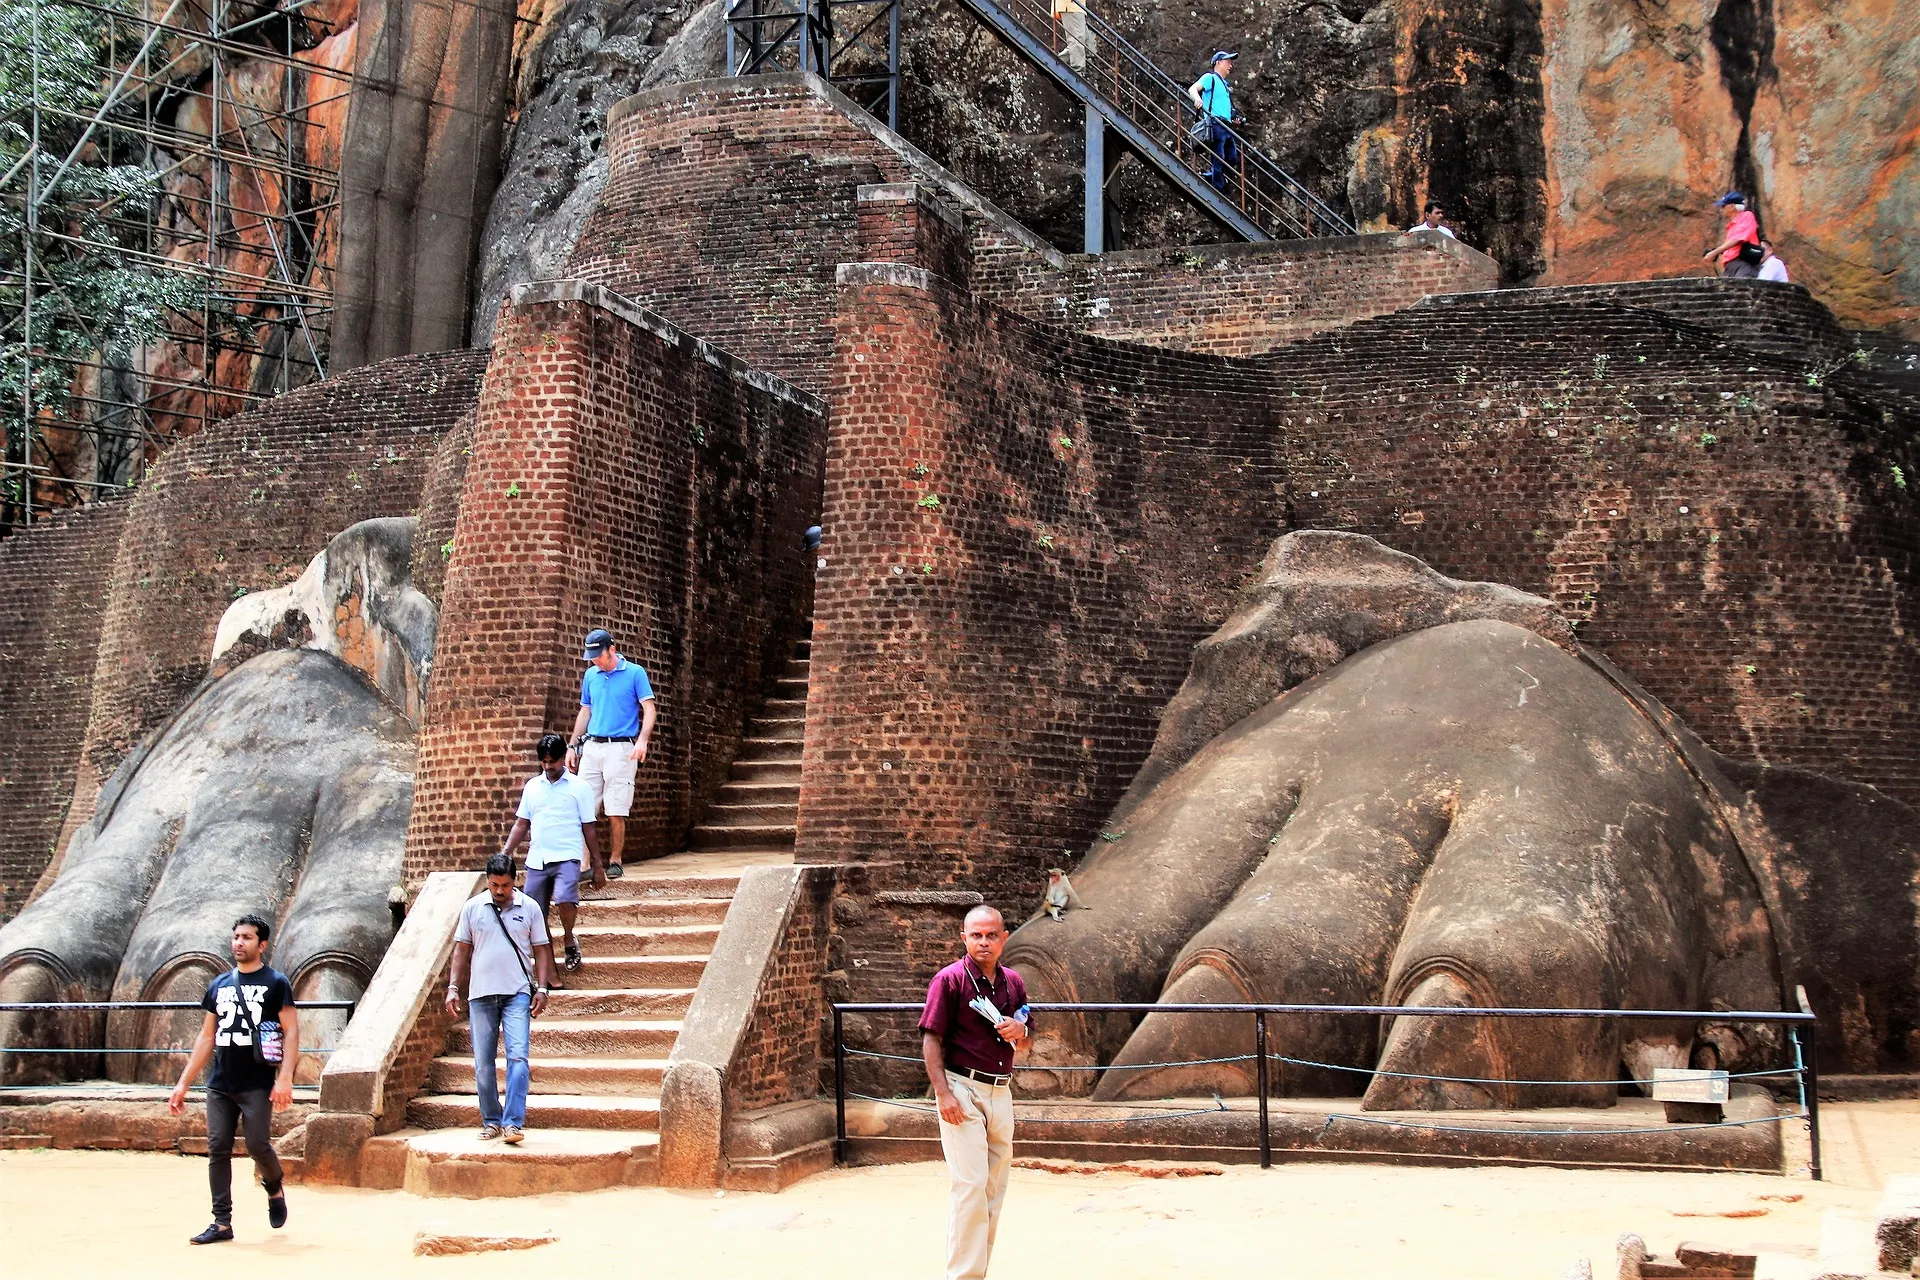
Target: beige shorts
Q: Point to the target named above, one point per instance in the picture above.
(608, 767)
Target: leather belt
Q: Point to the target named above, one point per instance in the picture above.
(594, 737)
(984, 1077)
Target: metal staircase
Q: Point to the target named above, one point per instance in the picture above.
(1121, 90)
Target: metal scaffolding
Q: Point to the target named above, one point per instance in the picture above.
(234, 113)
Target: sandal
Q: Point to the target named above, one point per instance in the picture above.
(573, 957)
(615, 871)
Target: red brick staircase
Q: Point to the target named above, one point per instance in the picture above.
(598, 1053)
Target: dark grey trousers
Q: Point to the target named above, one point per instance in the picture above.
(254, 1111)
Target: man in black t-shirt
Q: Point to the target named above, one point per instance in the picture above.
(249, 1006)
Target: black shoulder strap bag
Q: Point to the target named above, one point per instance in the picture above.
(498, 919)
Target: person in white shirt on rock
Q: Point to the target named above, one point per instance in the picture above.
(1772, 267)
(555, 820)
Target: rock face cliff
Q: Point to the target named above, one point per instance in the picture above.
(1574, 140)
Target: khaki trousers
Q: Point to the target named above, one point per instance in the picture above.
(979, 1156)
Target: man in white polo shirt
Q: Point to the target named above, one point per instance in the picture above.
(556, 821)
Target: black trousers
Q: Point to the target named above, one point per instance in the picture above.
(252, 1110)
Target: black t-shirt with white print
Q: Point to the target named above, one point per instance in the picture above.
(266, 992)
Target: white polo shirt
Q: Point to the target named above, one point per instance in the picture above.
(555, 811)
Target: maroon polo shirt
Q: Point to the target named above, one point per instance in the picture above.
(968, 1040)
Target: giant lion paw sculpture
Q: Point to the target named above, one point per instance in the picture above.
(282, 786)
(1469, 813)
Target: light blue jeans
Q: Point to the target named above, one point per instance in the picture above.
(487, 1018)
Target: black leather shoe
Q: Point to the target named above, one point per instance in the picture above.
(214, 1234)
(277, 1211)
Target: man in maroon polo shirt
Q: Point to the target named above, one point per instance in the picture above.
(975, 1018)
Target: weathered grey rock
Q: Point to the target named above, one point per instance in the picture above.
(444, 1242)
(584, 56)
(282, 788)
(355, 601)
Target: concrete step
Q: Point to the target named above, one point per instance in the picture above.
(785, 794)
(598, 910)
(455, 1162)
(780, 771)
(784, 708)
(755, 837)
(794, 683)
(616, 1002)
(779, 728)
(727, 814)
(637, 883)
(544, 1111)
(606, 942)
(804, 648)
(605, 1037)
(770, 749)
(605, 973)
(600, 1077)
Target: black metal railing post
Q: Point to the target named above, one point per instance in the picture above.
(1260, 1082)
(839, 1090)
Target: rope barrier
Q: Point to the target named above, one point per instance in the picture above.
(1414, 1075)
(1138, 1066)
(1555, 1133)
(1218, 1107)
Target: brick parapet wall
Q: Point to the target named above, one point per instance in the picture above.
(1026, 532)
(780, 1058)
(50, 616)
(1235, 300)
(988, 670)
(623, 474)
(406, 1078)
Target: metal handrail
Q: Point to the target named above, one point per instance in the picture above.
(1799, 1024)
(1136, 87)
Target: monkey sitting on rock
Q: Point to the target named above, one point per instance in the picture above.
(1060, 895)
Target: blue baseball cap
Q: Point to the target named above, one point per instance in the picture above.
(1732, 197)
(598, 642)
(1227, 54)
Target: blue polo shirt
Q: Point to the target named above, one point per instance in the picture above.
(615, 697)
(1215, 98)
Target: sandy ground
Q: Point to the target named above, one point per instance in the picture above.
(72, 1213)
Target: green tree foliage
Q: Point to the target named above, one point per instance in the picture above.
(90, 299)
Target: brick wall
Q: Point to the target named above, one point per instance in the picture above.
(1236, 300)
(625, 475)
(988, 668)
(50, 610)
(440, 507)
(1026, 532)
(407, 1076)
(786, 1042)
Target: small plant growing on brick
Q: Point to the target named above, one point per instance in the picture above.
(920, 470)
(926, 570)
(513, 489)
(1046, 542)
(1707, 438)
(446, 549)
(1111, 836)
(1751, 669)
(238, 592)
(1066, 442)
(930, 502)
(1899, 478)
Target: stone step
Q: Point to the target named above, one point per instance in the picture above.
(794, 683)
(601, 1077)
(544, 1111)
(605, 1037)
(596, 909)
(605, 942)
(636, 883)
(777, 728)
(455, 1162)
(781, 771)
(755, 837)
(571, 1001)
(785, 794)
(750, 815)
(770, 749)
(605, 973)
(784, 708)
(804, 648)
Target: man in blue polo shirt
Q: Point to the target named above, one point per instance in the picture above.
(611, 733)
